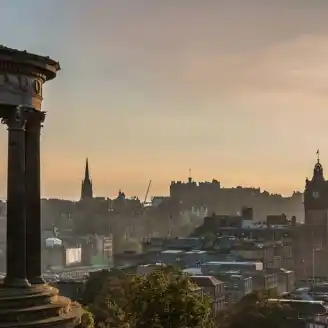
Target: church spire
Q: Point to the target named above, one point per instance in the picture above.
(86, 173)
(86, 189)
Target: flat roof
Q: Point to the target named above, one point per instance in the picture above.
(151, 265)
(193, 271)
(205, 280)
(172, 251)
(232, 262)
(196, 252)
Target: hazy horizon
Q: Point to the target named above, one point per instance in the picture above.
(236, 90)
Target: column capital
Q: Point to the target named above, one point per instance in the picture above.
(16, 119)
(35, 118)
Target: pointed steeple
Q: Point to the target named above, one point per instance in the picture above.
(86, 173)
(86, 189)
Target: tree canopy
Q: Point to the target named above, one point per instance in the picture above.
(254, 310)
(166, 298)
(86, 320)
(163, 298)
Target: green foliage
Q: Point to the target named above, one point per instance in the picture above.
(102, 282)
(254, 311)
(108, 313)
(168, 299)
(95, 284)
(164, 298)
(105, 296)
(86, 320)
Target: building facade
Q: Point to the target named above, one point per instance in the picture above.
(214, 288)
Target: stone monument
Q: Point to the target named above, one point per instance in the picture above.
(25, 299)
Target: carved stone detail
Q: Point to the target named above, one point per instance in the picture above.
(21, 84)
(17, 119)
(20, 89)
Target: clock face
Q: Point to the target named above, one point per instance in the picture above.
(316, 194)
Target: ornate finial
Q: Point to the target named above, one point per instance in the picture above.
(318, 155)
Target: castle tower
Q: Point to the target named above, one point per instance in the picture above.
(86, 189)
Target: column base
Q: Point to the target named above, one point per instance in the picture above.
(16, 283)
(37, 280)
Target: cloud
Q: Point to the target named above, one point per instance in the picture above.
(201, 54)
(290, 73)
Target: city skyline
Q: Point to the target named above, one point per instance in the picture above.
(234, 90)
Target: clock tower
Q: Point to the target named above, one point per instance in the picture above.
(313, 247)
(316, 192)
(316, 206)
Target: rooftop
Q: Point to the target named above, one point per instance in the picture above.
(193, 271)
(172, 251)
(4, 49)
(154, 265)
(205, 281)
(196, 252)
(232, 275)
(44, 63)
(259, 273)
(231, 263)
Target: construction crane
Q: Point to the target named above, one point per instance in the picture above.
(147, 192)
(137, 223)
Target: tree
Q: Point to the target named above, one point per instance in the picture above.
(103, 283)
(105, 296)
(167, 298)
(86, 320)
(255, 311)
(163, 298)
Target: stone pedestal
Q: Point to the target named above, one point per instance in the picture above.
(37, 306)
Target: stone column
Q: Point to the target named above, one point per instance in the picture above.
(16, 224)
(33, 197)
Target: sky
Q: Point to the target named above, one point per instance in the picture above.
(235, 90)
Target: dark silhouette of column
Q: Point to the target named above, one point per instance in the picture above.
(33, 197)
(16, 224)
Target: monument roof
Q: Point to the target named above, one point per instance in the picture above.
(46, 62)
(26, 53)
